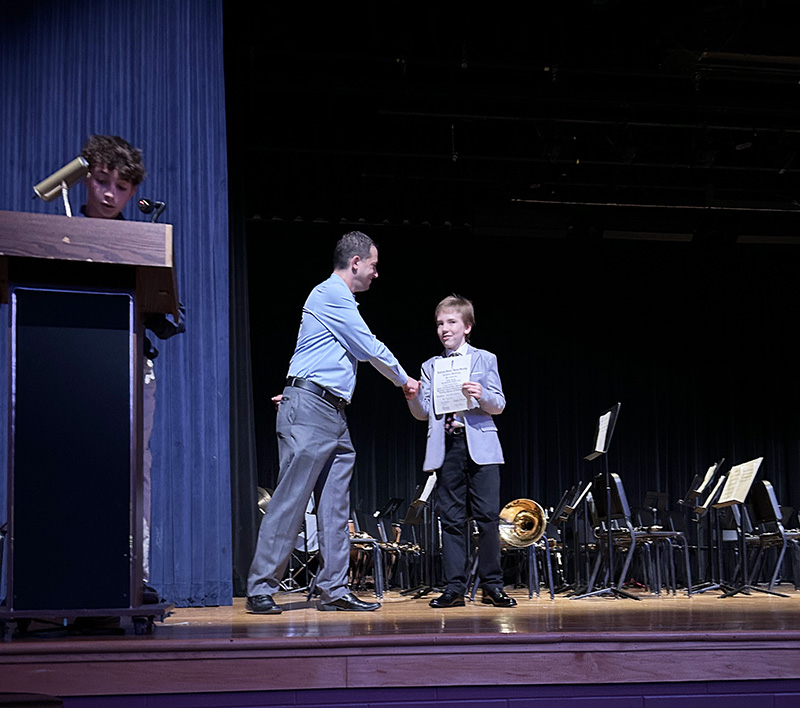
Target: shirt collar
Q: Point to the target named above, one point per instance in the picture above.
(462, 350)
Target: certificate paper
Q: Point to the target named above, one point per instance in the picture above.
(449, 374)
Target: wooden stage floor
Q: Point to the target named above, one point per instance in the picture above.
(598, 640)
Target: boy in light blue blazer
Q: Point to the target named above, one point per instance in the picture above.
(464, 450)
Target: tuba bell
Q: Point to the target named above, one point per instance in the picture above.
(264, 498)
(522, 523)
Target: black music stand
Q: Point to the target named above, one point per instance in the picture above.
(603, 433)
(700, 484)
(706, 507)
(701, 497)
(572, 500)
(387, 509)
(560, 517)
(302, 571)
(654, 502)
(734, 493)
(300, 576)
(421, 511)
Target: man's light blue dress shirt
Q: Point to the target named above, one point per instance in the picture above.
(333, 338)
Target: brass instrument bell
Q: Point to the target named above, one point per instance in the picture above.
(264, 498)
(522, 523)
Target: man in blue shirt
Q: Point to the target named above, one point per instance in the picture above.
(314, 446)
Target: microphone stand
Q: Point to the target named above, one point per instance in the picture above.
(67, 206)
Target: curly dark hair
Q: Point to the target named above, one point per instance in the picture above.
(116, 154)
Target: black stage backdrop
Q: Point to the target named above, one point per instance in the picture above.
(696, 340)
(508, 129)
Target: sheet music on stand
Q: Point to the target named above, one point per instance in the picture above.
(740, 479)
(604, 431)
(422, 494)
(563, 513)
(708, 501)
(421, 512)
(388, 508)
(569, 502)
(557, 513)
(602, 437)
(734, 493)
(713, 532)
(573, 503)
(701, 484)
(427, 490)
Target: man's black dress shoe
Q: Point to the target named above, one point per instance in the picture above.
(348, 603)
(448, 599)
(262, 605)
(498, 598)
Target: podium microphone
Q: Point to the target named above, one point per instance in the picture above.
(48, 189)
(149, 206)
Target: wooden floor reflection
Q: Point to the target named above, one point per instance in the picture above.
(405, 615)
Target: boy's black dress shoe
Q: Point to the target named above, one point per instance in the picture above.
(448, 599)
(262, 605)
(498, 598)
(348, 603)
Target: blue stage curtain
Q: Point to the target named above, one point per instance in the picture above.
(152, 72)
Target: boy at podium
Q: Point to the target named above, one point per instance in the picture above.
(116, 169)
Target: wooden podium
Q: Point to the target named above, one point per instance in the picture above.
(77, 291)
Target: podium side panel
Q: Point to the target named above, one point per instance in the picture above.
(72, 413)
